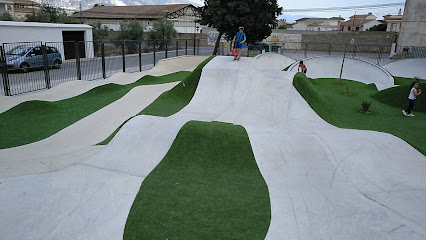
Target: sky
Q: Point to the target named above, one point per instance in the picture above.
(306, 4)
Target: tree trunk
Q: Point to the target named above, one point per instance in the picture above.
(216, 46)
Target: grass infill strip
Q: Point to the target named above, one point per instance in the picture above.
(327, 98)
(172, 101)
(33, 121)
(208, 186)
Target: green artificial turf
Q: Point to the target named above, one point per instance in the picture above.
(286, 69)
(36, 120)
(208, 186)
(406, 81)
(172, 101)
(398, 97)
(327, 97)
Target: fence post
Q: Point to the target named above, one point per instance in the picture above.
(140, 56)
(165, 43)
(4, 73)
(46, 66)
(154, 52)
(380, 55)
(124, 56)
(306, 48)
(198, 48)
(329, 48)
(177, 48)
(103, 59)
(186, 47)
(194, 44)
(77, 60)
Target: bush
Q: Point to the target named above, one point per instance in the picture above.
(6, 17)
(365, 106)
(132, 31)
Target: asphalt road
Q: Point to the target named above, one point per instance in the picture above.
(91, 69)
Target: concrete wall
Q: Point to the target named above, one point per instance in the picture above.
(413, 28)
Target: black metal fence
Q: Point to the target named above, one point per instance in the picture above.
(27, 67)
(32, 66)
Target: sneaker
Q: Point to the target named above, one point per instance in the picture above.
(238, 59)
(410, 115)
(403, 112)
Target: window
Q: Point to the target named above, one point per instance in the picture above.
(393, 27)
(349, 28)
(357, 28)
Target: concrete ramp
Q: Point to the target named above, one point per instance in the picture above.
(354, 69)
(324, 182)
(409, 68)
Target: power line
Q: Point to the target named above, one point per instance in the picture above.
(347, 8)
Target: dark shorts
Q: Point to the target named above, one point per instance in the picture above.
(238, 45)
(305, 70)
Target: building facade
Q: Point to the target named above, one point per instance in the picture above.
(413, 26)
(182, 16)
(18, 9)
(393, 22)
(358, 23)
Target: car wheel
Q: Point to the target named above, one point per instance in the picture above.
(24, 67)
(57, 64)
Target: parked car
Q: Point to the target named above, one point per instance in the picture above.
(24, 58)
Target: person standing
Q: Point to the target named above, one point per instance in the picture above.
(414, 92)
(239, 39)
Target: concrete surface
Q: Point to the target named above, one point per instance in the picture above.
(409, 68)
(324, 182)
(77, 87)
(354, 69)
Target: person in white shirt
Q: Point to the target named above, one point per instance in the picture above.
(414, 92)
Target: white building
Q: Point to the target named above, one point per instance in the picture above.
(317, 24)
(14, 33)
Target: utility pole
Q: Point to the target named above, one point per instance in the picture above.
(80, 13)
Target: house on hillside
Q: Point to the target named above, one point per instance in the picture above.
(317, 24)
(183, 16)
(393, 22)
(359, 23)
(19, 8)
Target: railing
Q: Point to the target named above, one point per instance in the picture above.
(36, 65)
(98, 60)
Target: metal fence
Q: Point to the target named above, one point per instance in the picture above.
(377, 54)
(31, 66)
(27, 67)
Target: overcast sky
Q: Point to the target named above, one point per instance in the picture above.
(304, 4)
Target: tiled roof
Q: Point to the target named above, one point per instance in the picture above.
(358, 22)
(130, 12)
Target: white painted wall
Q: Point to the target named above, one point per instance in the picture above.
(369, 24)
(14, 32)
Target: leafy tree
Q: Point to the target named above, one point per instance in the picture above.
(282, 27)
(49, 14)
(6, 17)
(379, 27)
(132, 31)
(256, 16)
(99, 34)
(158, 31)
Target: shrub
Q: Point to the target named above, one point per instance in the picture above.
(365, 106)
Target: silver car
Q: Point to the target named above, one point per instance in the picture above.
(24, 58)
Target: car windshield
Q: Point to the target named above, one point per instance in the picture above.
(21, 50)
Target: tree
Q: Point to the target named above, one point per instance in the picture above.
(256, 16)
(132, 31)
(99, 34)
(158, 31)
(282, 27)
(379, 27)
(6, 17)
(49, 14)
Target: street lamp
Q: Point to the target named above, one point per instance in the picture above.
(166, 12)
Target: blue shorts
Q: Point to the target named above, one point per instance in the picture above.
(238, 45)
